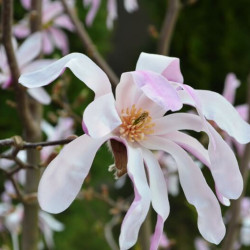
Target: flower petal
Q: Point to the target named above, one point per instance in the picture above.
(131, 5)
(40, 95)
(95, 4)
(36, 65)
(140, 206)
(224, 166)
(63, 178)
(83, 68)
(231, 84)
(159, 194)
(21, 29)
(48, 45)
(158, 89)
(26, 4)
(51, 10)
(29, 49)
(128, 94)
(63, 21)
(100, 116)
(196, 190)
(169, 67)
(60, 39)
(217, 108)
(112, 13)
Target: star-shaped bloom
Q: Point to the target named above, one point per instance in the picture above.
(25, 55)
(53, 19)
(130, 6)
(135, 123)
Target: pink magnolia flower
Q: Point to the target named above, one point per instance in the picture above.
(53, 19)
(130, 6)
(25, 55)
(231, 84)
(135, 124)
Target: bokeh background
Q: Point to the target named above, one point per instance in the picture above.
(211, 38)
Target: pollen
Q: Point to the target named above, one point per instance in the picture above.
(136, 124)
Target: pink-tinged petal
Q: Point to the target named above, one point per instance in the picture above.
(26, 4)
(83, 68)
(95, 4)
(231, 84)
(21, 29)
(112, 13)
(224, 166)
(169, 67)
(158, 89)
(36, 65)
(196, 190)
(40, 95)
(221, 198)
(5, 80)
(63, 21)
(100, 117)
(60, 40)
(215, 107)
(51, 10)
(130, 5)
(63, 178)
(48, 46)
(201, 244)
(243, 110)
(159, 194)
(29, 49)
(140, 206)
(129, 94)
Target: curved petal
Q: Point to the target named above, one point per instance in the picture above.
(29, 49)
(51, 10)
(128, 94)
(95, 4)
(159, 193)
(36, 65)
(63, 21)
(40, 95)
(63, 178)
(82, 67)
(140, 206)
(100, 116)
(217, 108)
(224, 166)
(112, 13)
(21, 29)
(196, 190)
(158, 89)
(231, 84)
(169, 67)
(60, 40)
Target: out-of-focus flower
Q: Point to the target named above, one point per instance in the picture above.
(130, 6)
(135, 124)
(53, 19)
(62, 130)
(231, 84)
(201, 244)
(25, 55)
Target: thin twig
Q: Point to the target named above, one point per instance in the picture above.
(168, 26)
(234, 224)
(89, 45)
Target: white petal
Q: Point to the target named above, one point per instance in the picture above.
(196, 190)
(83, 68)
(63, 178)
(140, 206)
(40, 95)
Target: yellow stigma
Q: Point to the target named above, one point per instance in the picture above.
(136, 124)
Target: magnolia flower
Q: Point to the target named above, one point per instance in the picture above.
(231, 84)
(135, 124)
(130, 6)
(25, 55)
(53, 19)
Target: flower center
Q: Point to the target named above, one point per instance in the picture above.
(136, 124)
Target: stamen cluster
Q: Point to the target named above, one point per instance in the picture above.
(136, 124)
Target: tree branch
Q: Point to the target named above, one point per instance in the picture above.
(168, 26)
(89, 45)
(234, 224)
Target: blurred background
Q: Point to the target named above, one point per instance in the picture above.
(211, 38)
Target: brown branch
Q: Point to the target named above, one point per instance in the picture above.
(36, 145)
(234, 224)
(89, 45)
(21, 97)
(168, 26)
